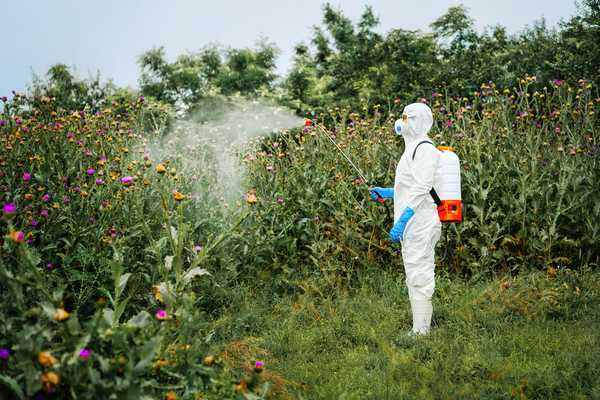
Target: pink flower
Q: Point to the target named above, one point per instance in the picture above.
(91, 171)
(259, 365)
(46, 198)
(84, 354)
(161, 315)
(9, 209)
(17, 236)
(44, 212)
(26, 176)
(127, 180)
(99, 182)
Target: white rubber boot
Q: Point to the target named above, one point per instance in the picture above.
(421, 311)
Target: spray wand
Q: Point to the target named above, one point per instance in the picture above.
(362, 176)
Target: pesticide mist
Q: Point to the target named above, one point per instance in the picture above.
(211, 140)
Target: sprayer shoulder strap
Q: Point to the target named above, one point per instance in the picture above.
(417, 146)
(432, 192)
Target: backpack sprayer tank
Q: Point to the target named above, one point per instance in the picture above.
(448, 176)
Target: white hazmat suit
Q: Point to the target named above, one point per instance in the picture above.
(414, 179)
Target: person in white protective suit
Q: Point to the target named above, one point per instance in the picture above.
(416, 222)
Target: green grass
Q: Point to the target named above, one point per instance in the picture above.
(533, 336)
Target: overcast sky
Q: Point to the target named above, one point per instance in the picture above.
(109, 35)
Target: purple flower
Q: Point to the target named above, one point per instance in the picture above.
(26, 176)
(141, 99)
(259, 366)
(2, 122)
(556, 82)
(4, 99)
(280, 200)
(66, 200)
(127, 180)
(34, 222)
(50, 266)
(91, 171)
(84, 354)
(4, 354)
(197, 249)
(99, 182)
(46, 198)
(9, 209)
(44, 212)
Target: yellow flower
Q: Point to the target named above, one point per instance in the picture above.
(178, 196)
(161, 169)
(156, 293)
(251, 198)
(61, 315)
(50, 380)
(208, 360)
(46, 359)
(161, 362)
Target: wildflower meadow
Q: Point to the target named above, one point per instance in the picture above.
(224, 248)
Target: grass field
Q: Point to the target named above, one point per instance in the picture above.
(535, 336)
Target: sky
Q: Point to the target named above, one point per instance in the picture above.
(108, 36)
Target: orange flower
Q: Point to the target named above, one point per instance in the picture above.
(46, 359)
(178, 196)
(171, 396)
(161, 169)
(61, 315)
(28, 196)
(17, 236)
(50, 380)
(208, 360)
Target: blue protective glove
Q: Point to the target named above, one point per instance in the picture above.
(397, 232)
(377, 193)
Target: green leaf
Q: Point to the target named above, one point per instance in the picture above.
(141, 320)
(119, 311)
(192, 273)
(147, 354)
(12, 385)
(122, 283)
